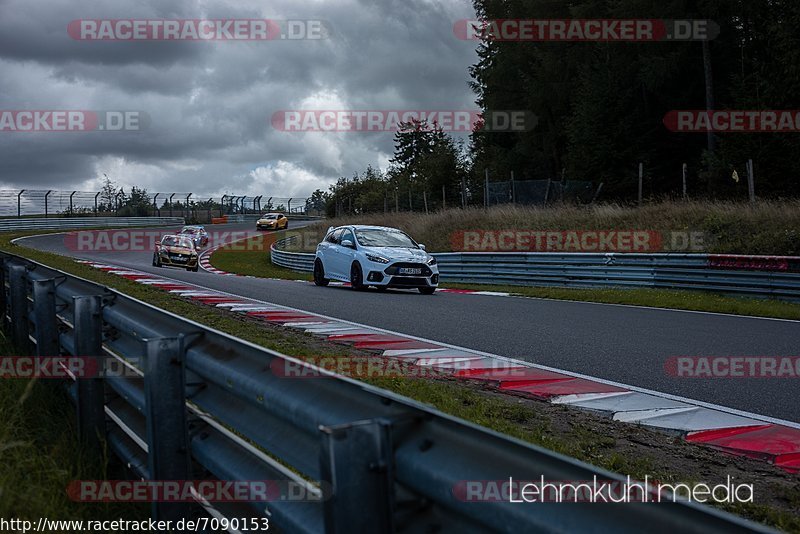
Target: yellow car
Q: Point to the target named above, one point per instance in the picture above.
(272, 221)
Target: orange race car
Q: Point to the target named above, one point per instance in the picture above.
(272, 221)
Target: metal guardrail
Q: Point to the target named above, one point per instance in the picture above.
(250, 217)
(575, 270)
(67, 223)
(664, 271)
(205, 405)
(296, 261)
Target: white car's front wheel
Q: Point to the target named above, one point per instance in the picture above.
(356, 277)
(319, 274)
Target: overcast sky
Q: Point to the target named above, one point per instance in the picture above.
(210, 103)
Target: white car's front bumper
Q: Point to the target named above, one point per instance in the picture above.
(377, 274)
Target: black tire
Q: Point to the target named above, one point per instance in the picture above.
(356, 277)
(193, 269)
(287, 226)
(156, 261)
(319, 274)
(427, 290)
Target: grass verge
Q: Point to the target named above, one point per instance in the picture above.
(40, 456)
(623, 448)
(251, 257)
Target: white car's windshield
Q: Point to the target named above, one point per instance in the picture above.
(190, 231)
(384, 238)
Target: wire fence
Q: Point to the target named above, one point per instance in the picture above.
(522, 192)
(539, 192)
(64, 203)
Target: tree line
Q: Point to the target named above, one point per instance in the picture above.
(601, 108)
(601, 105)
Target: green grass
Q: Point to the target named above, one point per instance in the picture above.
(40, 456)
(251, 257)
(657, 298)
(578, 434)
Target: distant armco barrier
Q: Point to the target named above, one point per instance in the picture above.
(68, 223)
(750, 275)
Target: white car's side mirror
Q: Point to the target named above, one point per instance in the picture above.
(421, 246)
(347, 243)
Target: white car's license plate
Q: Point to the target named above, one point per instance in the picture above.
(409, 270)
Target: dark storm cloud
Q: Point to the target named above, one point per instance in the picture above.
(210, 103)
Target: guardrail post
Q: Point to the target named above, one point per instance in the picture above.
(18, 295)
(3, 298)
(165, 409)
(44, 314)
(88, 323)
(19, 203)
(357, 461)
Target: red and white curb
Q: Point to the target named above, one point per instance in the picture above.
(731, 431)
(205, 257)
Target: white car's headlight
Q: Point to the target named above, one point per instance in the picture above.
(377, 259)
(431, 261)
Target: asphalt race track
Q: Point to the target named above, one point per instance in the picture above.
(620, 343)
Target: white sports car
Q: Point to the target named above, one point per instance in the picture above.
(374, 256)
